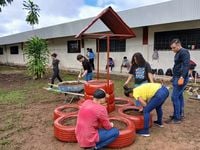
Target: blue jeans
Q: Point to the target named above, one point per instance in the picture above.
(177, 98)
(88, 76)
(106, 137)
(155, 102)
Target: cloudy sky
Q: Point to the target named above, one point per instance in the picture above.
(12, 17)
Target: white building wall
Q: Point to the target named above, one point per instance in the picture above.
(166, 58)
(16, 59)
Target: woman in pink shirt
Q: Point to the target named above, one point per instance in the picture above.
(91, 116)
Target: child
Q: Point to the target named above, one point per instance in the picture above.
(151, 96)
(91, 115)
(87, 74)
(55, 63)
(91, 56)
(125, 64)
(110, 64)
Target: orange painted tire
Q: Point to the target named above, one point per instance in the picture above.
(109, 100)
(137, 120)
(124, 101)
(126, 136)
(58, 112)
(62, 132)
(91, 86)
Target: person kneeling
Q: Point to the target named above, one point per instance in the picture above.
(151, 96)
(91, 116)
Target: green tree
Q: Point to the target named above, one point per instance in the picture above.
(4, 3)
(33, 12)
(37, 53)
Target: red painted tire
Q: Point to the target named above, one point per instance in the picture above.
(126, 136)
(109, 100)
(62, 132)
(111, 107)
(138, 120)
(91, 86)
(123, 101)
(58, 112)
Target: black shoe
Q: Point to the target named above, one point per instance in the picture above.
(173, 121)
(158, 124)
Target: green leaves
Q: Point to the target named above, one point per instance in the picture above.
(33, 9)
(4, 3)
(37, 53)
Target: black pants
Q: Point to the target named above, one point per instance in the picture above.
(92, 63)
(54, 76)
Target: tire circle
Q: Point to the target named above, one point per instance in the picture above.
(126, 136)
(138, 120)
(58, 112)
(62, 132)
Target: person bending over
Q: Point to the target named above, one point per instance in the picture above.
(151, 96)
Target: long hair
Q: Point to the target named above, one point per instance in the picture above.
(140, 60)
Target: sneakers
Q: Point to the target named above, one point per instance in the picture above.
(158, 124)
(143, 133)
(173, 121)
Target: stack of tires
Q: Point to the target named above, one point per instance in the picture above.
(91, 86)
(65, 121)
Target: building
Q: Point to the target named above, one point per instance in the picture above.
(154, 26)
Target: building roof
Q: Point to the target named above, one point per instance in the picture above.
(113, 21)
(162, 13)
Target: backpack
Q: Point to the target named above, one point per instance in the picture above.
(160, 72)
(169, 72)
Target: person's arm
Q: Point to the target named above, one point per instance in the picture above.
(104, 120)
(84, 73)
(150, 76)
(149, 72)
(185, 56)
(130, 76)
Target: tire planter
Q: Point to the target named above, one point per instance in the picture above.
(110, 107)
(121, 102)
(137, 118)
(62, 132)
(91, 86)
(65, 110)
(126, 136)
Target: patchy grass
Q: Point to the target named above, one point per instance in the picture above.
(12, 97)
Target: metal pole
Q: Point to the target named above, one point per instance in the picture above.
(108, 51)
(97, 59)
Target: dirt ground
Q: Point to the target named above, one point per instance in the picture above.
(29, 126)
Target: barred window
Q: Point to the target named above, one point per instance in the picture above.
(190, 39)
(115, 45)
(73, 46)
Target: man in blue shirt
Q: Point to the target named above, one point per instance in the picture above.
(179, 80)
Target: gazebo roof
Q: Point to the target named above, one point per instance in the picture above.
(113, 21)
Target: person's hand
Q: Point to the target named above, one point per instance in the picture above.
(112, 124)
(180, 81)
(140, 109)
(79, 76)
(125, 86)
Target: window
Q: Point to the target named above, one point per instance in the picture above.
(1, 51)
(14, 50)
(190, 39)
(115, 45)
(73, 46)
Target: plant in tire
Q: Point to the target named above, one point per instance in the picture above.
(37, 53)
